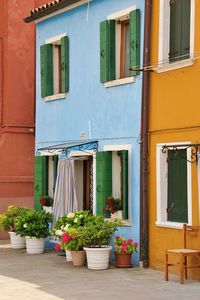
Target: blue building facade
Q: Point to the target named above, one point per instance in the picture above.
(92, 99)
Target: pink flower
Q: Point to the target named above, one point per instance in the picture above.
(135, 244)
(57, 247)
(117, 237)
(124, 246)
(130, 241)
(73, 236)
(65, 238)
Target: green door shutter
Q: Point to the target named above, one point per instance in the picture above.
(46, 70)
(103, 179)
(65, 64)
(40, 179)
(125, 184)
(185, 29)
(177, 207)
(107, 51)
(135, 41)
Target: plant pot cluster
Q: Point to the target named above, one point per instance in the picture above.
(87, 237)
(27, 228)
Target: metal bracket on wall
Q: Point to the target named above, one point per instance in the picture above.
(195, 148)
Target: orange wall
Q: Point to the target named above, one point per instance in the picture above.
(174, 117)
(17, 103)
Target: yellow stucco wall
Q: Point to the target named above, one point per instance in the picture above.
(174, 117)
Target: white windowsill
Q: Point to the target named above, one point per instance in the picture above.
(174, 66)
(173, 225)
(119, 82)
(55, 97)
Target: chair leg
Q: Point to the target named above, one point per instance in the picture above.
(166, 266)
(181, 269)
(186, 270)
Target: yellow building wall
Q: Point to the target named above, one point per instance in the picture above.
(174, 117)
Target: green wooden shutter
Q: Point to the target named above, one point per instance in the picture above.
(125, 184)
(135, 40)
(107, 51)
(65, 64)
(40, 179)
(46, 70)
(103, 179)
(179, 30)
(185, 29)
(55, 166)
(177, 207)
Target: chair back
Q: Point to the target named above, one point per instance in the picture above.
(188, 229)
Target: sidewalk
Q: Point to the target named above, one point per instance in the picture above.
(50, 277)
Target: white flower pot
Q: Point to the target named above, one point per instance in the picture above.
(68, 255)
(98, 258)
(16, 241)
(34, 245)
(48, 209)
(117, 215)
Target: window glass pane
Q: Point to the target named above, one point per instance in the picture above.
(127, 50)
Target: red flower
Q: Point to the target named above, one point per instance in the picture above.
(112, 211)
(65, 238)
(109, 202)
(105, 209)
(73, 236)
(43, 201)
(130, 241)
(135, 244)
(117, 237)
(57, 247)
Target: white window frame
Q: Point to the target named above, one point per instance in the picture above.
(129, 148)
(55, 40)
(120, 15)
(161, 186)
(164, 36)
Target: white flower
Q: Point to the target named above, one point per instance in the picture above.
(25, 226)
(70, 215)
(66, 227)
(80, 216)
(76, 220)
(59, 232)
(62, 227)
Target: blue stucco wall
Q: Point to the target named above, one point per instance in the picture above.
(114, 113)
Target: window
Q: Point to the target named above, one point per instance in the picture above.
(176, 30)
(173, 186)
(119, 45)
(54, 62)
(112, 179)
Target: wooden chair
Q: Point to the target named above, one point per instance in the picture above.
(183, 254)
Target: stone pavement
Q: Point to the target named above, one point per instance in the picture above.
(50, 277)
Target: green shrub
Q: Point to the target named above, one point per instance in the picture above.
(9, 219)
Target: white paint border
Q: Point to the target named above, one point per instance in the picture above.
(56, 38)
(117, 82)
(121, 13)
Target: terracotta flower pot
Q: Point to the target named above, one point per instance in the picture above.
(123, 260)
(78, 258)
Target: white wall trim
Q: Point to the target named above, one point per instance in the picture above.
(121, 13)
(164, 32)
(117, 82)
(55, 39)
(55, 97)
(62, 10)
(161, 185)
(129, 148)
(174, 66)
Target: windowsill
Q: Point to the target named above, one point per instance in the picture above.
(173, 225)
(174, 66)
(126, 223)
(117, 82)
(55, 97)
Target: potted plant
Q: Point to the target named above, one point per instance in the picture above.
(71, 241)
(123, 251)
(96, 236)
(8, 223)
(47, 203)
(67, 222)
(34, 226)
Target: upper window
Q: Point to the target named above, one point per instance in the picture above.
(54, 63)
(120, 45)
(173, 186)
(176, 41)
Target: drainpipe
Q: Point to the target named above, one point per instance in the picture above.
(144, 236)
